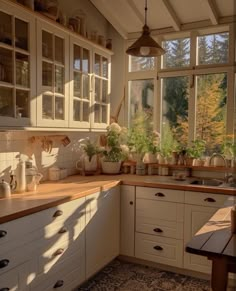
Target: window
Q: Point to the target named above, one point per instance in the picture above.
(141, 64)
(213, 48)
(177, 53)
(175, 106)
(211, 110)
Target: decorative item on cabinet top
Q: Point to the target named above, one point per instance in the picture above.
(47, 141)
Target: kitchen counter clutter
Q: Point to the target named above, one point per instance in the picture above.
(50, 194)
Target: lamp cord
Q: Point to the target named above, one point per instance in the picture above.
(145, 12)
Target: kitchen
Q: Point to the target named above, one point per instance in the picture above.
(43, 124)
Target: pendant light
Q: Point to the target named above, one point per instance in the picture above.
(145, 46)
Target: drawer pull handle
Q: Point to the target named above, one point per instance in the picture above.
(131, 202)
(58, 284)
(158, 248)
(58, 213)
(158, 230)
(4, 263)
(209, 199)
(3, 233)
(62, 230)
(4, 289)
(159, 194)
(58, 252)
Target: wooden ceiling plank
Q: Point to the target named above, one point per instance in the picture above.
(139, 15)
(110, 15)
(174, 18)
(212, 11)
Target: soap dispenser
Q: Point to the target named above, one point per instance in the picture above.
(20, 177)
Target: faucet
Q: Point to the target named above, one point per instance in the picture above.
(227, 176)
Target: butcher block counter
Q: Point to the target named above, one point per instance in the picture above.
(51, 194)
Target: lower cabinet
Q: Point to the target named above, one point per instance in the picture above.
(102, 229)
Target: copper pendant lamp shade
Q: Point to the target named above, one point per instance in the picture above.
(145, 46)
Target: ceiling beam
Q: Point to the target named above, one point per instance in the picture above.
(174, 18)
(139, 15)
(110, 15)
(212, 11)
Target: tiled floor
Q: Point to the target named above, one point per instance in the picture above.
(125, 276)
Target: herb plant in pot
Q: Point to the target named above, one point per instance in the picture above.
(152, 147)
(114, 152)
(194, 152)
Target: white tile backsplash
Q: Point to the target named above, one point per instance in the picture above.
(13, 144)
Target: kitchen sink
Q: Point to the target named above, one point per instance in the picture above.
(206, 182)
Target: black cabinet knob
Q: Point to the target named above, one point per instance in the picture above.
(158, 230)
(159, 194)
(58, 213)
(158, 248)
(3, 233)
(58, 284)
(131, 202)
(62, 230)
(209, 199)
(4, 263)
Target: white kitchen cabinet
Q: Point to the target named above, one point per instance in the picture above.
(17, 66)
(102, 229)
(127, 220)
(199, 208)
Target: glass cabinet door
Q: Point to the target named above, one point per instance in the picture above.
(53, 76)
(16, 64)
(80, 76)
(101, 96)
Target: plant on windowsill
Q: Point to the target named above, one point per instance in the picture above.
(194, 152)
(228, 149)
(115, 151)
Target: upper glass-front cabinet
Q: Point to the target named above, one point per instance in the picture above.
(53, 76)
(17, 64)
(101, 90)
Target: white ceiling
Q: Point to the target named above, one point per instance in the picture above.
(127, 16)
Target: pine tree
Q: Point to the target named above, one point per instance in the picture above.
(203, 51)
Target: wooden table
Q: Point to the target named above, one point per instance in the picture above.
(215, 241)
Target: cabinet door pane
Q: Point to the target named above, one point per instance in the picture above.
(97, 113)
(85, 63)
(59, 108)
(97, 89)
(77, 84)
(85, 87)
(76, 107)
(85, 111)
(6, 102)
(77, 57)
(22, 103)
(104, 114)
(47, 45)
(6, 66)
(59, 50)
(47, 74)
(21, 34)
(47, 107)
(105, 67)
(59, 79)
(97, 65)
(104, 90)
(22, 70)
(5, 28)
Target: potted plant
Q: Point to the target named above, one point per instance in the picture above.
(168, 145)
(152, 147)
(114, 152)
(88, 161)
(195, 151)
(228, 149)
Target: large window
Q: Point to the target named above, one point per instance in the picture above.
(193, 93)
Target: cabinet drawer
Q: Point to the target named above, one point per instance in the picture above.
(160, 218)
(205, 199)
(160, 194)
(159, 249)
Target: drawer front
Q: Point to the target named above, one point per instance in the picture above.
(161, 250)
(205, 199)
(10, 281)
(160, 194)
(16, 232)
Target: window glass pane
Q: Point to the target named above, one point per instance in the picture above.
(104, 90)
(77, 57)
(47, 107)
(59, 79)
(97, 113)
(141, 64)
(104, 114)
(6, 102)
(5, 28)
(76, 107)
(47, 74)
(47, 45)
(141, 97)
(213, 49)
(97, 65)
(85, 111)
(22, 103)
(59, 50)
(21, 31)
(97, 89)
(175, 107)
(105, 67)
(85, 63)
(6, 66)
(211, 110)
(22, 70)
(177, 53)
(59, 108)
(77, 84)
(85, 87)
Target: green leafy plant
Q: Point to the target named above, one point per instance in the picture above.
(197, 149)
(168, 143)
(228, 148)
(88, 147)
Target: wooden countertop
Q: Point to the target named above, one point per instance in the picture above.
(51, 194)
